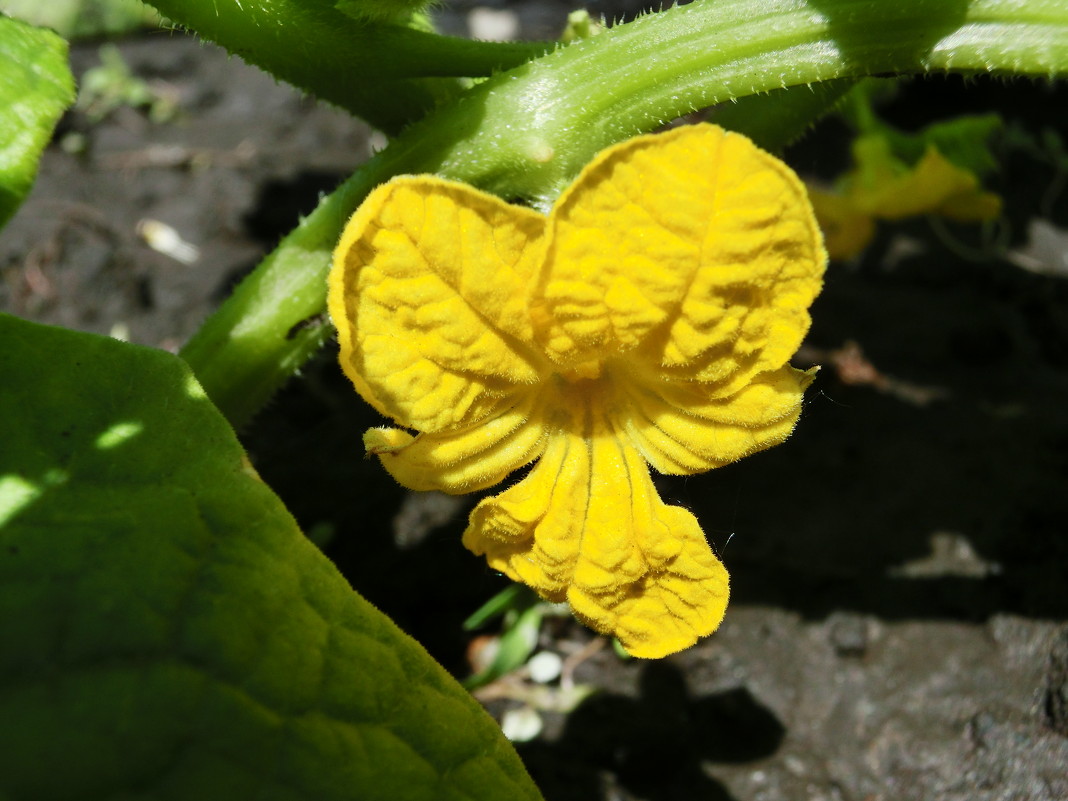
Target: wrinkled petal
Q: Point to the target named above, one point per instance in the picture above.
(692, 250)
(683, 428)
(587, 526)
(549, 499)
(462, 461)
(428, 292)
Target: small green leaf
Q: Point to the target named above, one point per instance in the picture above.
(523, 612)
(35, 88)
(167, 631)
(963, 140)
(112, 85)
(514, 646)
(514, 596)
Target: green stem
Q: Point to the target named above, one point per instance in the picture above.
(387, 74)
(526, 133)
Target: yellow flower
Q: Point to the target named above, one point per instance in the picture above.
(647, 320)
(882, 187)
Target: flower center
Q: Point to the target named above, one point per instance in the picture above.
(582, 398)
(584, 371)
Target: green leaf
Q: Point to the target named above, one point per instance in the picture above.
(35, 88)
(523, 611)
(963, 140)
(515, 645)
(112, 85)
(81, 18)
(167, 631)
(514, 596)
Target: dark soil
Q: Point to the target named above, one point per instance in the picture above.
(898, 627)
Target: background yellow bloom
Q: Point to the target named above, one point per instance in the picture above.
(882, 187)
(648, 320)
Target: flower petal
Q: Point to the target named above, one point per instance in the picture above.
(684, 428)
(429, 294)
(587, 526)
(546, 500)
(462, 461)
(693, 247)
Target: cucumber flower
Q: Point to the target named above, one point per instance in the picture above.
(645, 322)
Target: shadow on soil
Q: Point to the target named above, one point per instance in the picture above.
(659, 741)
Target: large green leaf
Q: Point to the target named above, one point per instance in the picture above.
(168, 633)
(35, 88)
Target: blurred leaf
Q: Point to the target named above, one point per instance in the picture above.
(168, 632)
(963, 140)
(35, 88)
(514, 596)
(1046, 145)
(82, 18)
(112, 85)
(518, 640)
(515, 645)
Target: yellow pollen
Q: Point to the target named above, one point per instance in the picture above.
(591, 368)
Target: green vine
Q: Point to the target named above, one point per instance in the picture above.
(387, 74)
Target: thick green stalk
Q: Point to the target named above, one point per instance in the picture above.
(525, 133)
(386, 74)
